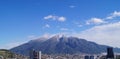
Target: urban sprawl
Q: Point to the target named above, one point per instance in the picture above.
(6, 54)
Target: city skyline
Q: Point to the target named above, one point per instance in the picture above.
(24, 20)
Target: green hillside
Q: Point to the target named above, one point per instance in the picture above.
(6, 53)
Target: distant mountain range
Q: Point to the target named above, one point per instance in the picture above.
(61, 45)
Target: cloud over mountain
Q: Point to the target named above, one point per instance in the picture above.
(107, 34)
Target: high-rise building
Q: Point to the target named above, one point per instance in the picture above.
(31, 54)
(35, 54)
(110, 53)
(86, 57)
(39, 54)
(91, 57)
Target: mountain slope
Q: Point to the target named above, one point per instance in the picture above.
(61, 45)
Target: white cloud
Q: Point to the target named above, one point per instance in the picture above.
(107, 34)
(61, 18)
(47, 26)
(113, 15)
(72, 6)
(31, 37)
(11, 45)
(49, 17)
(53, 17)
(95, 21)
(103, 20)
(78, 24)
(46, 35)
(64, 29)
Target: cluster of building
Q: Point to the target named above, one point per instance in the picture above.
(5, 54)
(109, 55)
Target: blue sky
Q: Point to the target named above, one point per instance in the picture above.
(21, 20)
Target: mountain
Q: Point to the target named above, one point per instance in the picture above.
(61, 45)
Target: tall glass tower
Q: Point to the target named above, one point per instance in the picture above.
(110, 53)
